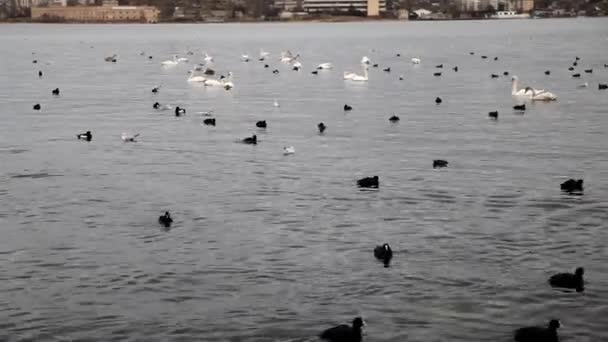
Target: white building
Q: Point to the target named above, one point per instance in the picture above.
(286, 5)
(317, 6)
(470, 5)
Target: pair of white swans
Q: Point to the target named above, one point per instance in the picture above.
(351, 76)
(530, 93)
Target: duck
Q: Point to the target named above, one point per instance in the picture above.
(37, 106)
(506, 73)
(209, 122)
(494, 76)
(129, 138)
(35, 61)
(275, 71)
(437, 74)
(471, 53)
(165, 219)
(85, 136)
(575, 64)
(455, 69)
(577, 75)
(384, 253)
(209, 72)
(347, 108)
(39, 73)
(111, 58)
(484, 57)
(387, 69)
(288, 150)
(495, 58)
(375, 65)
(398, 55)
(440, 66)
(314, 72)
(589, 71)
(571, 69)
(325, 66)
(344, 333)
(253, 140)
(156, 105)
(155, 89)
(439, 163)
(548, 72)
(179, 111)
(321, 126)
(416, 60)
(438, 100)
(266, 66)
(569, 280)
(538, 334)
(55, 91)
(577, 58)
(602, 86)
(393, 118)
(261, 124)
(368, 182)
(521, 107)
(493, 115)
(572, 185)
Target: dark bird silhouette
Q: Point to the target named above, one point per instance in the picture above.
(37, 106)
(39, 73)
(538, 334)
(387, 69)
(548, 72)
(455, 69)
(471, 53)
(495, 58)
(576, 75)
(602, 86)
(438, 100)
(165, 219)
(253, 140)
(437, 74)
(209, 72)
(575, 64)
(179, 111)
(589, 71)
(493, 115)
(484, 57)
(155, 89)
(494, 76)
(315, 72)
(156, 105)
(347, 108)
(400, 78)
(439, 163)
(321, 126)
(296, 68)
(384, 253)
(393, 118)
(571, 69)
(369, 182)
(572, 185)
(398, 55)
(520, 107)
(375, 66)
(261, 124)
(209, 122)
(440, 66)
(35, 61)
(506, 73)
(55, 91)
(275, 71)
(569, 280)
(344, 333)
(85, 136)
(577, 58)
(605, 65)
(149, 57)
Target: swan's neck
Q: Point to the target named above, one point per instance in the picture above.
(514, 87)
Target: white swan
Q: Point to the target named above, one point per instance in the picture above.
(196, 78)
(416, 60)
(297, 65)
(245, 57)
(213, 82)
(289, 150)
(365, 60)
(276, 103)
(182, 60)
(208, 59)
(128, 137)
(530, 93)
(349, 75)
(583, 85)
(325, 66)
(361, 78)
(227, 82)
(170, 62)
(286, 56)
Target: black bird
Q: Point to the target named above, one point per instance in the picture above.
(387, 69)
(400, 78)
(484, 57)
(589, 71)
(440, 66)
(574, 64)
(37, 106)
(602, 86)
(520, 107)
(576, 75)
(438, 100)
(455, 69)
(179, 111)
(393, 118)
(495, 58)
(34, 61)
(368, 182)
(375, 66)
(261, 124)
(538, 334)
(439, 163)
(85, 136)
(55, 91)
(577, 58)
(494, 76)
(253, 140)
(209, 122)
(321, 126)
(398, 55)
(471, 53)
(571, 69)
(156, 105)
(437, 74)
(569, 280)
(165, 219)
(506, 73)
(315, 72)
(155, 89)
(209, 72)
(605, 65)
(548, 72)
(344, 333)
(384, 253)
(149, 57)
(493, 115)
(39, 73)
(347, 108)
(275, 71)
(266, 66)
(296, 68)
(572, 185)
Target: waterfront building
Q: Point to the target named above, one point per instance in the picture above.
(368, 7)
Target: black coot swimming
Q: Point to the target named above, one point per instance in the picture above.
(602, 86)
(384, 253)
(155, 89)
(39, 73)
(538, 334)
(569, 280)
(393, 118)
(347, 108)
(315, 72)
(571, 69)
(506, 73)
(455, 69)
(572, 185)
(375, 66)
(344, 333)
(387, 69)
(438, 100)
(85, 136)
(440, 66)
(493, 115)
(548, 72)
(521, 107)
(439, 163)
(209, 122)
(261, 124)
(484, 57)
(589, 71)
(495, 58)
(165, 219)
(253, 140)
(266, 66)
(576, 75)
(179, 111)
(321, 126)
(494, 76)
(437, 74)
(37, 106)
(275, 71)
(156, 105)
(369, 182)
(55, 91)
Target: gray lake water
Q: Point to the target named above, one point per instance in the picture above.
(267, 247)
